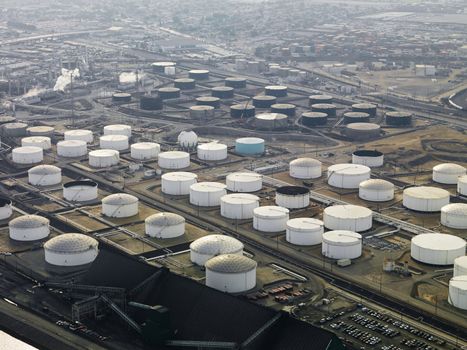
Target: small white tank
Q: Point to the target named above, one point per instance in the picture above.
(115, 142)
(305, 168)
(29, 228)
(118, 129)
(239, 206)
(341, 244)
(376, 190)
(448, 173)
(454, 215)
(460, 266)
(270, 218)
(72, 148)
(348, 217)
(79, 135)
(40, 130)
(207, 247)
(145, 150)
(347, 175)
(207, 194)
(458, 292)
(212, 151)
(244, 182)
(71, 249)
(103, 158)
(27, 155)
(44, 175)
(187, 139)
(37, 141)
(6, 209)
(120, 205)
(425, 198)
(304, 231)
(462, 185)
(174, 160)
(165, 225)
(80, 191)
(178, 183)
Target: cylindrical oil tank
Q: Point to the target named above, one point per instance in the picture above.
(285, 108)
(212, 151)
(115, 142)
(178, 183)
(207, 247)
(165, 225)
(29, 228)
(222, 92)
(5, 119)
(239, 206)
(327, 108)
(356, 117)
(167, 93)
(242, 111)
(44, 175)
(43, 142)
(145, 150)
(71, 249)
(235, 82)
(436, 248)
(174, 160)
(6, 209)
(187, 139)
(365, 108)
(103, 158)
(314, 119)
(231, 273)
(448, 173)
(458, 292)
(293, 197)
(316, 99)
(72, 148)
(348, 217)
(370, 158)
(185, 84)
(276, 90)
(198, 74)
(244, 182)
(347, 175)
(270, 218)
(398, 118)
(79, 135)
(27, 155)
(304, 231)
(121, 97)
(462, 185)
(342, 244)
(362, 131)
(264, 101)
(249, 146)
(14, 129)
(118, 129)
(460, 266)
(208, 101)
(376, 190)
(202, 112)
(80, 191)
(207, 194)
(40, 130)
(120, 205)
(159, 67)
(454, 215)
(271, 121)
(305, 168)
(150, 103)
(425, 198)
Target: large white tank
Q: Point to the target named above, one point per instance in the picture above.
(71, 249)
(79, 135)
(342, 244)
(293, 197)
(437, 248)
(305, 168)
(80, 191)
(376, 190)
(207, 247)
(347, 175)
(174, 160)
(304, 231)
(462, 185)
(454, 215)
(244, 182)
(40, 130)
(207, 194)
(371, 159)
(165, 225)
(187, 139)
(72, 148)
(425, 198)
(231, 273)
(270, 218)
(103, 158)
(6, 209)
(212, 151)
(145, 150)
(115, 142)
(29, 228)
(118, 129)
(27, 155)
(448, 173)
(239, 205)
(44, 175)
(178, 183)
(37, 141)
(460, 266)
(348, 217)
(120, 205)
(458, 292)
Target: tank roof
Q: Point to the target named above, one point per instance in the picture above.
(29, 221)
(426, 192)
(438, 241)
(164, 219)
(119, 199)
(230, 263)
(216, 244)
(44, 169)
(71, 243)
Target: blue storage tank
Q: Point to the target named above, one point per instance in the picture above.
(249, 146)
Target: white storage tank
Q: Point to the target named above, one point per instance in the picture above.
(448, 173)
(207, 194)
(174, 160)
(178, 183)
(305, 168)
(6, 209)
(80, 191)
(40, 130)
(304, 231)
(212, 151)
(462, 185)
(29, 228)
(460, 266)
(239, 205)
(454, 215)
(115, 142)
(376, 190)
(458, 292)
(342, 244)
(231, 273)
(348, 217)
(118, 129)
(44, 175)
(120, 205)
(244, 182)
(103, 158)
(72, 148)
(37, 141)
(270, 218)
(425, 198)
(71, 249)
(293, 197)
(79, 135)
(187, 139)
(27, 155)
(145, 150)
(207, 247)
(347, 175)
(165, 225)
(436, 248)
(370, 158)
